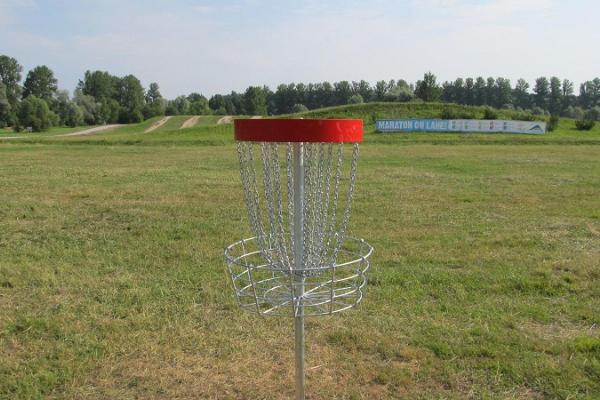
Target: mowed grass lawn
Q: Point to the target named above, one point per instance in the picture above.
(485, 280)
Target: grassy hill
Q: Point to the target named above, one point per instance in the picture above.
(206, 130)
(369, 112)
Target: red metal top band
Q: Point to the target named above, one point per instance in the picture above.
(299, 130)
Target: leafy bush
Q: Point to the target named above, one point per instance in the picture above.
(593, 114)
(34, 113)
(537, 111)
(399, 93)
(356, 99)
(552, 123)
(490, 113)
(73, 115)
(523, 116)
(299, 108)
(448, 113)
(466, 115)
(584, 124)
(574, 112)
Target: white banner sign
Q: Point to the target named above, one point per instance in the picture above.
(461, 125)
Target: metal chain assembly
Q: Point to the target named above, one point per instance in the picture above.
(269, 193)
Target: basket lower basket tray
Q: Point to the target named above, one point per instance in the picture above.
(266, 289)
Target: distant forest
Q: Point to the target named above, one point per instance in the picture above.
(102, 98)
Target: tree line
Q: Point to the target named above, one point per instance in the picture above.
(102, 98)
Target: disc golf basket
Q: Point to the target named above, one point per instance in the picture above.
(298, 178)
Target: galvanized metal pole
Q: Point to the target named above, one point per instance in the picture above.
(299, 266)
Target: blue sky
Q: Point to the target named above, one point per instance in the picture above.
(218, 46)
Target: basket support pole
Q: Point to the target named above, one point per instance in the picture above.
(298, 256)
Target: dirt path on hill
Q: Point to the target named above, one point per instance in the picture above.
(157, 124)
(190, 122)
(228, 119)
(91, 131)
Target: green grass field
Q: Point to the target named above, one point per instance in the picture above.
(485, 282)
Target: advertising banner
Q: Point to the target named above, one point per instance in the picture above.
(461, 125)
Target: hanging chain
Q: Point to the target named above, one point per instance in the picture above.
(290, 197)
(341, 235)
(324, 229)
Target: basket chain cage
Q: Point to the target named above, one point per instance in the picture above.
(269, 274)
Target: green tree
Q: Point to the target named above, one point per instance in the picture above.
(299, 108)
(73, 116)
(589, 93)
(575, 112)
(90, 109)
(479, 91)
(234, 103)
(131, 99)
(343, 92)
(41, 83)
(109, 111)
(34, 113)
(217, 103)
(555, 103)
(10, 76)
(448, 93)
(198, 104)
(179, 106)
(60, 104)
(153, 93)
(381, 90)
(587, 122)
(400, 91)
(99, 84)
(428, 88)
(503, 93)
(521, 94)
(69, 113)
(355, 99)
(552, 123)
(4, 107)
(326, 94)
(155, 104)
(490, 92)
(541, 92)
(363, 89)
(569, 99)
(255, 101)
(459, 91)
(469, 91)
(284, 98)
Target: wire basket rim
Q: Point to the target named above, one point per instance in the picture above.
(258, 252)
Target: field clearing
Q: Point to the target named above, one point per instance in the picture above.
(485, 277)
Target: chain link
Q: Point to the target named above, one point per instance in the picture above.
(324, 229)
